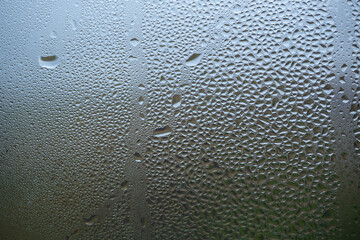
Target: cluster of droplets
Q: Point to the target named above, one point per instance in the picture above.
(355, 105)
(250, 152)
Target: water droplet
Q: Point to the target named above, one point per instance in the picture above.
(49, 61)
(74, 25)
(176, 101)
(134, 42)
(162, 132)
(53, 34)
(328, 89)
(141, 100)
(124, 185)
(132, 58)
(286, 42)
(143, 222)
(238, 9)
(141, 86)
(91, 220)
(193, 59)
(137, 157)
(344, 67)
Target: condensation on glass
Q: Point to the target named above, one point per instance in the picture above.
(186, 119)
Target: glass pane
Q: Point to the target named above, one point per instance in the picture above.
(179, 119)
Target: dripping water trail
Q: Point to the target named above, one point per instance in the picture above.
(348, 194)
(135, 168)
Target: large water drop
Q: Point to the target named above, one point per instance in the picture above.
(193, 60)
(49, 61)
(162, 132)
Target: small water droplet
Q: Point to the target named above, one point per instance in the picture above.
(344, 67)
(74, 25)
(53, 34)
(143, 222)
(90, 220)
(176, 101)
(286, 42)
(141, 100)
(328, 89)
(237, 9)
(134, 42)
(141, 86)
(137, 157)
(124, 185)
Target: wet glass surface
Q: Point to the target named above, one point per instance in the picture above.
(179, 119)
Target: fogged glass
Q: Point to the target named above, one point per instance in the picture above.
(205, 119)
